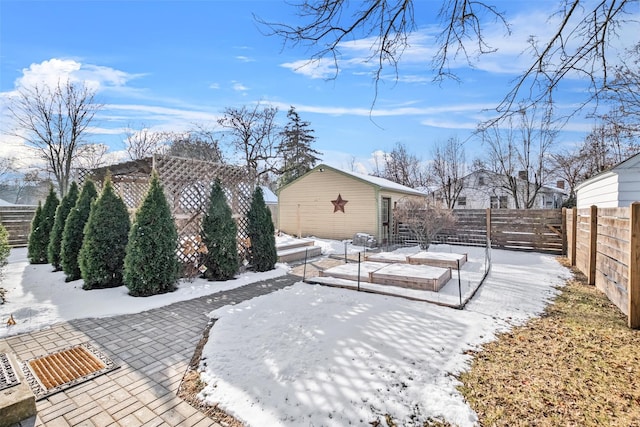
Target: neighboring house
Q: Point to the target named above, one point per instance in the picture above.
(271, 200)
(483, 189)
(616, 187)
(336, 204)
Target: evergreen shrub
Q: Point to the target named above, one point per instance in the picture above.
(150, 264)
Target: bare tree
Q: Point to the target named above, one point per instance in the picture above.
(402, 167)
(423, 219)
(568, 165)
(143, 142)
(448, 170)
(578, 45)
(624, 92)
(92, 156)
(516, 151)
(254, 136)
(54, 120)
(605, 146)
(200, 143)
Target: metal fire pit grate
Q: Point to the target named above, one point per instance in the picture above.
(58, 371)
(8, 377)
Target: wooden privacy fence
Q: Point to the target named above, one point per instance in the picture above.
(537, 230)
(604, 243)
(17, 221)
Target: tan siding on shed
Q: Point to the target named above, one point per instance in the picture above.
(306, 209)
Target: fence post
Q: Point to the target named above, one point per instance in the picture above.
(634, 266)
(574, 232)
(564, 231)
(488, 224)
(593, 245)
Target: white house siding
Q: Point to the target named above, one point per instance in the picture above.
(602, 192)
(629, 187)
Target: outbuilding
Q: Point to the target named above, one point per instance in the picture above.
(333, 203)
(614, 188)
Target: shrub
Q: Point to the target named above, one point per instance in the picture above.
(73, 233)
(55, 238)
(150, 264)
(38, 248)
(262, 252)
(36, 237)
(219, 235)
(101, 258)
(4, 246)
(423, 219)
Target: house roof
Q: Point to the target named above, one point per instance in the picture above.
(631, 162)
(269, 196)
(380, 183)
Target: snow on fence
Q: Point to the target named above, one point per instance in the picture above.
(17, 221)
(604, 244)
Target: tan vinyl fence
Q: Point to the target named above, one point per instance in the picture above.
(17, 221)
(604, 244)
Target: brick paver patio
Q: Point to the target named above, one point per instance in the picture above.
(153, 350)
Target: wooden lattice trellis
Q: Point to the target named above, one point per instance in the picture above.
(187, 185)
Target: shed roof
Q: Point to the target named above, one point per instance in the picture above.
(380, 183)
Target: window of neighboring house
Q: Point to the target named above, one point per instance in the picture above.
(481, 180)
(462, 201)
(494, 202)
(503, 202)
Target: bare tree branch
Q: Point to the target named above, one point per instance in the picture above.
(54, 121)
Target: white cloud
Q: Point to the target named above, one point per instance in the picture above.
(386, 112)
(52, 71)
(171, 118)
(239, 87)
(214, 86)
(316, 69)
(243, 58)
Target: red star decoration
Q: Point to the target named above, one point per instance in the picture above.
(338, 204)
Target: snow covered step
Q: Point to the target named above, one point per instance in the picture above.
(350, 271)
(291, 243)
(299, 253)
(438, 259)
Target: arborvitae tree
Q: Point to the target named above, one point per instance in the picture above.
(297, 155)
(73, 233)
(38, 247)
(219, 234)
(36, 237)
(4, 246)
(101, 257)
(150, 264)
(262, 252)
(55, 238)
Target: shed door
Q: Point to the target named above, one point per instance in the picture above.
(386, 218)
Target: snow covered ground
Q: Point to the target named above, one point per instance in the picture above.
(313, 355)
(37, 297)
(318, 356)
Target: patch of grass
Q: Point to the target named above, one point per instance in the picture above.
(577, 365)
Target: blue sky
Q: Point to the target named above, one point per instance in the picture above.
(170, 64)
